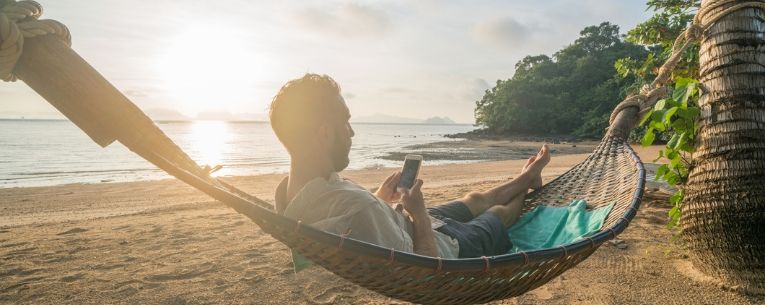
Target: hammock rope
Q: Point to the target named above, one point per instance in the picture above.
(651, 93)
(19, 20)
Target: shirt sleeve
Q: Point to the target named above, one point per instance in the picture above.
(381, 227)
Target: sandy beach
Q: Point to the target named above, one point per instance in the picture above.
(164, 242)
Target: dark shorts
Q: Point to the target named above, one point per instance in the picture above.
(484, 235)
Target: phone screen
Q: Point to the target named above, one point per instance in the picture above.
(409, 173)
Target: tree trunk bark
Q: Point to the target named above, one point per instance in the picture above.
(724, 212)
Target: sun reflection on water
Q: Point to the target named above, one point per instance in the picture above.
(207, 140)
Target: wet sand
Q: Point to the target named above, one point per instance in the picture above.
(164, 242)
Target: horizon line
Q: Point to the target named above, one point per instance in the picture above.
(233, 121)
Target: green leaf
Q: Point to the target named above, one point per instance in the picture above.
(683, 170)
(673, 141)
(676, 198)
(682, 82)
(657, 115)
(648, 137)
(678, 93)
(658, 125)
(680, 141)
(661, 154)
(671, 154)
(668, 115)
(645, 117)
(672, 178)
(688, 92)
(680, 124)
(691, 113)
(675, 162)
(674, 217)
(661, 171)
(660, 104)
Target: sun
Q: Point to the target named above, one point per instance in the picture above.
(208, 68)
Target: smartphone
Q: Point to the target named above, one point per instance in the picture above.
(409, 172)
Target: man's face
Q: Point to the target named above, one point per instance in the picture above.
(341, 147)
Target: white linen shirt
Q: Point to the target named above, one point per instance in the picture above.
(338, 205)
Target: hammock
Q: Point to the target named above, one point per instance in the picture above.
(613, 173)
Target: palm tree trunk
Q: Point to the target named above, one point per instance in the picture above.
(724, 214)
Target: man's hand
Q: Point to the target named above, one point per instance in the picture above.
(387, 190)
(424, 239)
(413, 201)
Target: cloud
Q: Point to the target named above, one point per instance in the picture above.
(142, 91)
(473, 89)
(346, 20)
(503, 32)
(397, 90)
(135, 93)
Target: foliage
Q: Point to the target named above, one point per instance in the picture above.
(673, 118)
(572, 92)
(658, 34)
(676, 115)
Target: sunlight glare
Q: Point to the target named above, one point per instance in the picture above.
(207, 140)
(209, 68)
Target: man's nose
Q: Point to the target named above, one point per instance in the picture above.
(353, 133)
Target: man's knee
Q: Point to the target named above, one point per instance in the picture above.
(502, 212)
(475, 198)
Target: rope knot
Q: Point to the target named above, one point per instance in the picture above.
(19, 20)
(694, 32)
(643, 101)
(646, 89)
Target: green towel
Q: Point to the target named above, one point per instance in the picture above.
(299, 262)
(550, 227)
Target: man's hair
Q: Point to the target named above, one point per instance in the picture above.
(301, 105)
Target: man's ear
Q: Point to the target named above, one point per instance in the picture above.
(325, 135)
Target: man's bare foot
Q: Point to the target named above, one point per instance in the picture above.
(535, 166)
(528, 163)
(543, 156)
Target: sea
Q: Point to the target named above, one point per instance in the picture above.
(55, 152)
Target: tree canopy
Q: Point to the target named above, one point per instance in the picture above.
(570, 93)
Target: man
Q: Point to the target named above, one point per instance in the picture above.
(311, 119)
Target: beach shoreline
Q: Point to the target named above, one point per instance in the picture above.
(165, 242)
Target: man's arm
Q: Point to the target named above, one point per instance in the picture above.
(423, 239)
(280, 196)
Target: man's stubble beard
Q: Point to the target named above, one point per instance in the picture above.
(340, 159)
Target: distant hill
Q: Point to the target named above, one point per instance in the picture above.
(390, 119)
(437, 120)
(163, 114)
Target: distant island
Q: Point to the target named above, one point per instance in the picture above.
(437, 120)
(389, 119)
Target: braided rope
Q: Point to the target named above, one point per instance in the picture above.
(19, 20)
(704, 18)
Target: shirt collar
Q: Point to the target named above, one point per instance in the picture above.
(280, 196)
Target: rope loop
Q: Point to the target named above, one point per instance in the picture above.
(525, 258)
(486, 264)
(19, 20)
(694, 32)
(343, 237)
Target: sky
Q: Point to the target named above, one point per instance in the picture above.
(413, 58)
